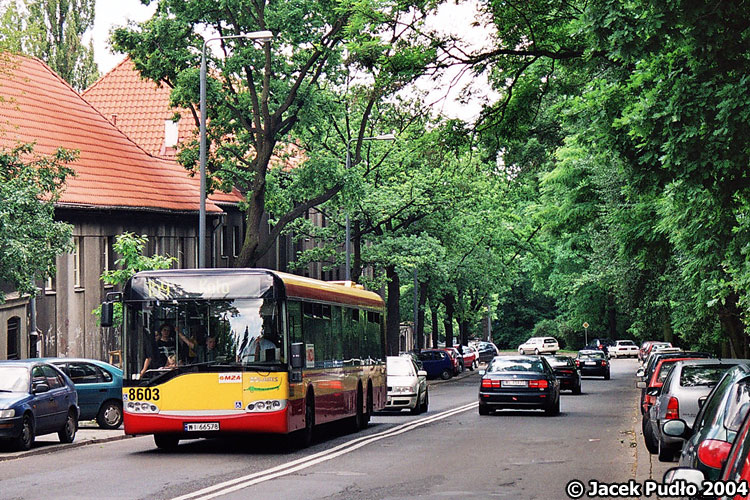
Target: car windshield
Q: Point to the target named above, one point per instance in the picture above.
(556, 361)
(701, 375)
(591, 355)
(625, 343)
(516, 365)
(14, 379)
(399, 368)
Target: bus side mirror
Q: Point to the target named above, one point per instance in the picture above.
(298, 355)
(107, 318)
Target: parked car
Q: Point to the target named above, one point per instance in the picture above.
(708, 442)
(623, 349)
(566, 372)
(593, 362)
(407, 385)
(36, 398)
(519, 382)
(655, 346)
(601, 345)
(470, 357)
(646, 346)
(539, 345)
(436, 363)
(487, 351)
(456, 358)
(99, 387)
(687, 384)
(736, 469)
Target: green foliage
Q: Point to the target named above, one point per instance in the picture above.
(53, 30)
(30, 238)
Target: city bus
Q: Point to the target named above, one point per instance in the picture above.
(212, 352)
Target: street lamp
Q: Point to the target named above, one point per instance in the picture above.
(260, 36)
(347, 244)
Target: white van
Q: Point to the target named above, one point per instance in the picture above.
(539, 345)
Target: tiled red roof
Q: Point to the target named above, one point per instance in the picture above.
(111, 170)
(139, 108)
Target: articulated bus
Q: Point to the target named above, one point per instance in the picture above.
(209, 352)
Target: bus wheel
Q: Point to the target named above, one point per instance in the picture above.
(359, 416)
(166, 441)
(306, 437)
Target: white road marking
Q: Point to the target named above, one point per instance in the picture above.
(320, 457)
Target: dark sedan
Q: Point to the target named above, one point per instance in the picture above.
(566, 372)
(592, 362)
(521, 382)
(36, 398)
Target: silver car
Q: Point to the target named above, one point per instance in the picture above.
(685, 388)
(407, 385)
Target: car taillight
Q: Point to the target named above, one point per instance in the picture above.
(540, 384)
(487, 383)
(713, 452)
(673, 409)
(649, 400)
(566, 371)
(578, 363)
(604, 363)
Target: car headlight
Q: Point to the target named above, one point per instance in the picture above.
(402, 389)
(7, 413)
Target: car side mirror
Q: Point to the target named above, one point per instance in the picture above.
(684, 475)
(40, 387)
(421, 373)
(640, 372)
(676, 428)
(640, 384)
(702, 401)
(482, 372)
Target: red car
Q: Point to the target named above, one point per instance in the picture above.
(471, 357)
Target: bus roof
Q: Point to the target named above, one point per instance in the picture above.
(299, 287)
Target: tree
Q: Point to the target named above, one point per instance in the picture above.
(30, 238)
(257, 96)
(53, 30)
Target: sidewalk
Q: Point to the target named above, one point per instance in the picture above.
(88, 433)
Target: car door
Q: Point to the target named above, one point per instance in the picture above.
(43, 403)
(91, 387)
(60, 396)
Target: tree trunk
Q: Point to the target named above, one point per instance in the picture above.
(667, 334)
(434, 305)
(612, 316)
(732, 327)
(449, 301)
(420, 315)
(392, 331)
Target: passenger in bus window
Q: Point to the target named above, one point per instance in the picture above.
(207, 352)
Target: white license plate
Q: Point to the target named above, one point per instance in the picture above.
(202, 426)
(515, 383)
(590, 363)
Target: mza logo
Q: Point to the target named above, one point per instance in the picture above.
(230, 378)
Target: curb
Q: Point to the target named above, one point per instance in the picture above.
(58, 447)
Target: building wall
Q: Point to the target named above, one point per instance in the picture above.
(14, 307)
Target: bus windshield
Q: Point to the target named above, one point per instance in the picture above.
(163, 335)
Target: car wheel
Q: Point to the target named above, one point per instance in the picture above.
(554, 409)
(166, 441)
(520, 351)
(110, 415)
(665, 453)
(536, 352)
(577, 388)
(68, 433)
(483, 409)
(606, 375)
(25, 440)
(446, 374)
(652, 445)
(426, 403)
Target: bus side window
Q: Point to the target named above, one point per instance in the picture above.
(337, 335)
(295, 321)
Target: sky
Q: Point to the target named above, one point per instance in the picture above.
(454, 18)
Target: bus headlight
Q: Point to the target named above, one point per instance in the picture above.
(266, 406)
(141, 407)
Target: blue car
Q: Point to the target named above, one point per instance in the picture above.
(99, 387)
(436, 363)
(36, 398)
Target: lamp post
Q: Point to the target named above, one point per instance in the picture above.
(347, 244)
(260, 36)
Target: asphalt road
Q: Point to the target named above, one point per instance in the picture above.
(449, 452)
